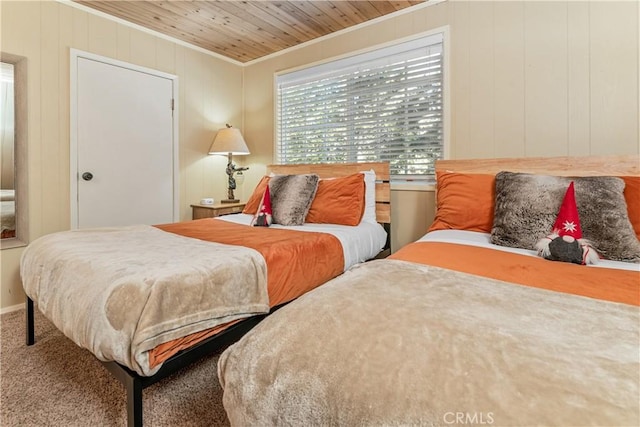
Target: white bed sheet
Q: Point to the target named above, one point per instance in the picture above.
(359, 243)
(474, 238)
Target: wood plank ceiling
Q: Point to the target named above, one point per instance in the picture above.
(247, 30)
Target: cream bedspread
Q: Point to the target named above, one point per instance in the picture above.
(119, 292)
(396, 343)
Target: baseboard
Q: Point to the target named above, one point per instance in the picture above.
(12, 308)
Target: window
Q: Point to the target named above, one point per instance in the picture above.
(383, 105)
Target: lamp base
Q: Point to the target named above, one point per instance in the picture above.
(230, 201)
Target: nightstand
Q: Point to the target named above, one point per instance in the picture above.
(211, 211)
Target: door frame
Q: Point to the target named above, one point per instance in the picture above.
(74, 55)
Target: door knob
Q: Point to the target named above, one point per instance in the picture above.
(87, 176)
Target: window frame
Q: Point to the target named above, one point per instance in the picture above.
(326, 64)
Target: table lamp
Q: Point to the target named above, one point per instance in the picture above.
(229, 141)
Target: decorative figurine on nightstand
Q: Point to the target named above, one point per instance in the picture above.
(231, 169)
(229, 141)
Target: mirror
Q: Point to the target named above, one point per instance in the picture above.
(7, 141)
(13, 150)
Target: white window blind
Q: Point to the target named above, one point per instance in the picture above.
(384, 105)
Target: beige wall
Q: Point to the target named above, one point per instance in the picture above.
(210, 94)
(527, 78)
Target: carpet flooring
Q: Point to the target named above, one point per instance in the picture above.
(56, 383)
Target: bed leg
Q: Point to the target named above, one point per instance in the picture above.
(30, 326)
(134, 402)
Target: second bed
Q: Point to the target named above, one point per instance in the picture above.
(454, 329)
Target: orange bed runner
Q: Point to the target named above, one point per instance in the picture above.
(600, 283)
(297, 261)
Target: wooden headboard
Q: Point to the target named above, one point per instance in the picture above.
(624, 165)
(333, 170)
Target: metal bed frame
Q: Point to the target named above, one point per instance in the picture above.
(134, 383)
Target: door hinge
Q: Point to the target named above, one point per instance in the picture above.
(172, 104)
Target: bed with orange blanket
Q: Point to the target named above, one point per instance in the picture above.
(454, 329)
(148, 300)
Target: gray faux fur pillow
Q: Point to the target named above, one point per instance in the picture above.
(291, 197)
(527, 206)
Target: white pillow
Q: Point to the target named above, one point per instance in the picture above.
(369, 196)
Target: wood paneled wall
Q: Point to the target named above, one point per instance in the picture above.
(544, 78)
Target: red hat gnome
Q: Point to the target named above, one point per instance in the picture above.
(568, 220)
(263, 216)
(565, 243)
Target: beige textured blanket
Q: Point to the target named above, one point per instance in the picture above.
(119, 292)
(394, 343)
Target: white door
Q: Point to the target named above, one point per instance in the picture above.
(124, 169)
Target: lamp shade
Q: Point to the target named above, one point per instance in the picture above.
(229, 140)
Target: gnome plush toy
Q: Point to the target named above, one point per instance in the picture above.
(263, 216)
(565, 243)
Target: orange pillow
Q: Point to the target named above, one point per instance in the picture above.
(338, 201)
(252, 205)
(632, 197)
(464, 202)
